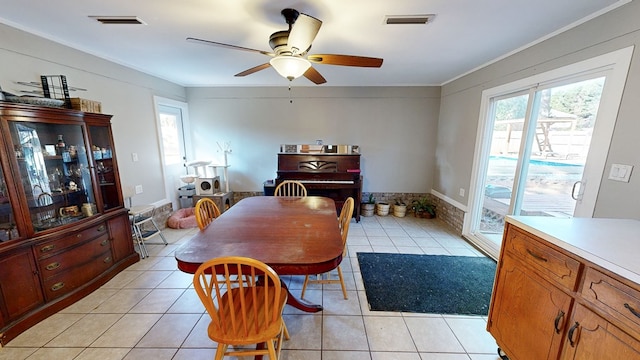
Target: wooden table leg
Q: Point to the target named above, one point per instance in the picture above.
(299, 303)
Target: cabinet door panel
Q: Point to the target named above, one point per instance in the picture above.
(54, 171)
(528, 315)
(596, 339)
(105, 163)
(19, 284)
(121, 240)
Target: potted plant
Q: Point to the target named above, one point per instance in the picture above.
(368, 206)
(382, 208)
(424, 208)
(399, 208)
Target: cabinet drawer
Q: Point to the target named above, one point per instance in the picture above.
(552, 264)
(51, 247)
(73, 257)
(67, 281)
(613, 297)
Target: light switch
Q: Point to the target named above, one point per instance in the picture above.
(620, 172)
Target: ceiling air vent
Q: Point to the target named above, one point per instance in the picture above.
(119, 20)
(408, 19)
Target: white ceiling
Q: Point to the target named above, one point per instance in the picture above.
(464, 35)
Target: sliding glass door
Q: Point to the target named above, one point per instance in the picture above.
(538, 152)
(541, 150)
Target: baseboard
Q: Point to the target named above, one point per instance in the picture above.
(449, 200)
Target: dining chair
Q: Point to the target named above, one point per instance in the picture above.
(206, 210)
(290, 188)
(245, 313)
(343, 221)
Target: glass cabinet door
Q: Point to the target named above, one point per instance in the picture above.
(102, 151)
(8, 228)
(54, 169)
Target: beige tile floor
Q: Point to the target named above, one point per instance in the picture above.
(150, 311)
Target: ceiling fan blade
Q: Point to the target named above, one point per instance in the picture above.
(345, 60)
(228, 46)
(253, 70)
(313, 75)
(302, 33)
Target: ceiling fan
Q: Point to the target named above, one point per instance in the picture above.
(290, 48)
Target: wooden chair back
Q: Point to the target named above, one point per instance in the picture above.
(206, 210)
(290, 188)
(245, 312)
(345, 219)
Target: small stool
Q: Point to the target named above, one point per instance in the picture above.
(140, 215)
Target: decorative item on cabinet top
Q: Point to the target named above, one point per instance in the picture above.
(34, 100)
(54, 91)
(319, 147)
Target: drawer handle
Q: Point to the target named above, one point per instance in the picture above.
(107, 259)
(556, 323)
(104, 242)
(53, 266)
(570, 335)
(536, 256)
(101, 228)
(57, 286)
(47, 248)
(633, 311)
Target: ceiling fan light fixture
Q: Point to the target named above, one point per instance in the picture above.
(290, 67)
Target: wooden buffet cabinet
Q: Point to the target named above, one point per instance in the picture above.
(64, 230)
(568, 289)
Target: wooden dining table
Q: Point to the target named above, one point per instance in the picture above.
(293, 235)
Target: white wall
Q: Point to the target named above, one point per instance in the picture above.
(459, 109)
(395, 128)
(411, 138)
(124, 93)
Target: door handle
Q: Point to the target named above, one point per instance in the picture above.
(575, 196)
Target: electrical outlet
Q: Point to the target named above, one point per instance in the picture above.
(138, 189)
(461, 192)
(134, 157)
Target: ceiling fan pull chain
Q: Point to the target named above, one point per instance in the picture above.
(290, 99)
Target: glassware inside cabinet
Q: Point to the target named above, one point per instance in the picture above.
(101, 148)
(8, 229)
(55, 173)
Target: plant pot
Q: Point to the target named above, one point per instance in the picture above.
(382, 209)
(399, 210)
(423, 214)
(367, 209)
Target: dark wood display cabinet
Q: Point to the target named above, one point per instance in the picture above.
(64, 230)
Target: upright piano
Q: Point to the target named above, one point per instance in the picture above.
(336, 176)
